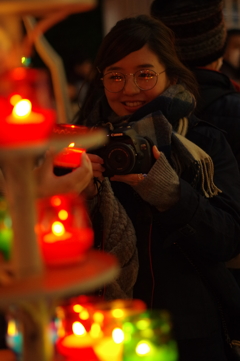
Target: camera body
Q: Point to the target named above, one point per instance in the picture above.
(126, 153)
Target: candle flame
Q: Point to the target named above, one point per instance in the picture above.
(118, 335)
(71, 145)
(78, 329)
(143, 348)
(12, 328)
(58, 229)
(22, 108)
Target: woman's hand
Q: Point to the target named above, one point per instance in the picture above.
(134, 179)
(49, 184)
(91, 190)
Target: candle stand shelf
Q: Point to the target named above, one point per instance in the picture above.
(96, 269)
(32, 288)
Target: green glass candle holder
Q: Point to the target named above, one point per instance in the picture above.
(6, 232)
(147, 337)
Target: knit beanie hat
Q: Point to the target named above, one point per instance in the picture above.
(198, 25)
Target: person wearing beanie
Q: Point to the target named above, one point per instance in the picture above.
(198, 26)
(231, 57)
(200, 41)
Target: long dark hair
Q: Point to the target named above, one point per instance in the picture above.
(129, 35)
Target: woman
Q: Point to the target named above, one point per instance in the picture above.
(185, 208)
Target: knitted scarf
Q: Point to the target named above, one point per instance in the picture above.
(164, 121)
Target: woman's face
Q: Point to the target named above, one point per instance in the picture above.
(131, 98)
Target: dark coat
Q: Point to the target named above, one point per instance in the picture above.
(182, 264)
(182, 250)
(219, 104)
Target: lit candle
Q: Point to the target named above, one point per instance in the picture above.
(64, 247)
(27, 117)
(70, 157)
(22, 124)
(78, 345)
(115, 312)
(110, 348)
(63, 231)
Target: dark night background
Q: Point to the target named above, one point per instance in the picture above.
(76, 37)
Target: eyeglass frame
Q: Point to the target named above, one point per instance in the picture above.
(132, 74)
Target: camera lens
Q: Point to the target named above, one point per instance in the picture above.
(120, 158)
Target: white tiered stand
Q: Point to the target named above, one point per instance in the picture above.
(34, 289)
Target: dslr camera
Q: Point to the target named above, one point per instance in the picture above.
(126, 152)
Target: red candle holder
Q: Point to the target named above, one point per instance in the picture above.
(76, 347)
(63, 229)
(26, 114)
(70, 157)
(75, 341)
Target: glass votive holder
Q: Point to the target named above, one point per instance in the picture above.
(70, 157)
(27, 112)
(147, 337)
(111, 315)
(93, 328)
(75, 337)
(6, 232)
(63, 229)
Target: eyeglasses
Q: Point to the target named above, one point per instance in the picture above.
(144, 79)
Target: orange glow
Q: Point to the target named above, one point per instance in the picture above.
(84, 315)
(15, 98)
(98, 317)
(77, 308)
(63, 215)
(118, 313)
(55, 201)
(19, 73)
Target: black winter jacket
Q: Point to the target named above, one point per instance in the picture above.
(219, 104)
(182, 250)
(188, 244)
